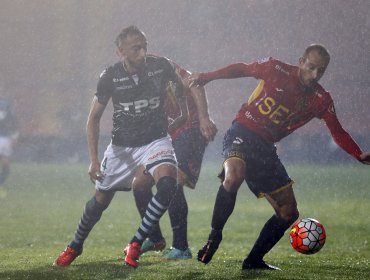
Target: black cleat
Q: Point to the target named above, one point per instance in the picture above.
(258, 265)
(208, 250)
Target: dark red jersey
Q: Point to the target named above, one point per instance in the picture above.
(173, 110)
(280, 104)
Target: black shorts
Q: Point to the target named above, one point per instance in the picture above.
(189, 149)
(264, 171)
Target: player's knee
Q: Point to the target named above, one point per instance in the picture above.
(232, 183)
(142, 182)
(94, 208)
(166, 186)
(289, 215)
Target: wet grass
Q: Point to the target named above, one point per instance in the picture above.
(40, 206)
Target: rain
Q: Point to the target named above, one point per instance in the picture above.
(52, 53)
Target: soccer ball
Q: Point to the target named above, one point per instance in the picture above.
(307, 236)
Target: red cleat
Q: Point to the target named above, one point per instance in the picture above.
(132, 252)
(66, 257)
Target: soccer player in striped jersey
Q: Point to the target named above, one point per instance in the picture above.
(286, 98)
(137, 87)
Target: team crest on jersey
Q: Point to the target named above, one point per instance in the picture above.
(263, 60)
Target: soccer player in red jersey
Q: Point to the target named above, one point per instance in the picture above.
(286, 98)
(189, 141)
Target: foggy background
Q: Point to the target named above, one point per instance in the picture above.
(52, 53)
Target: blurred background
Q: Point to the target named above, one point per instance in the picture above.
(52, 53)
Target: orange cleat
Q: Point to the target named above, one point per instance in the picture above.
(66, 257)
(132, 252)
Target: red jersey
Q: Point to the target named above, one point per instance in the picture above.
(173, 110)
(280, 104)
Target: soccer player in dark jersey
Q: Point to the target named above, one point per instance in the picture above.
(189, 141)
(137, 87)
(286, 98)
(8, 137)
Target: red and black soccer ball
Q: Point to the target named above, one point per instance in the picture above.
(307, 236)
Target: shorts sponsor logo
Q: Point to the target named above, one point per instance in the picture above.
(162, 154)
(235, 154)
(238, 141)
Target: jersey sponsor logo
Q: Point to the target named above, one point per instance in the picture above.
(124, 87)
(279, 90)
(118, 80)
(275, 112)
(140, 105)
(281, 69)
(248, 115)
(151, 74)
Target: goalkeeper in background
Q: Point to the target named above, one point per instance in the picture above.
(8, 137)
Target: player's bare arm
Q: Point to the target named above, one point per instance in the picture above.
(92, 130)
(194, 80)
(182, 118)
(181, 101)
(206, 124)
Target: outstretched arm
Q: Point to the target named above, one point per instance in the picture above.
(343, 139)
(231, 71)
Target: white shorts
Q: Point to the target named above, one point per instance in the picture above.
(120, 163)
(6, 147)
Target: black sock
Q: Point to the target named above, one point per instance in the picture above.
(166, 188)
(91, 215)
(178, 212)
(270, 234)
(142, 199)
(224, 206)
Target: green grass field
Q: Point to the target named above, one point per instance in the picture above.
(40, 206)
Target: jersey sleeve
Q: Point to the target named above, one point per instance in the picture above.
(259, 70)
(104, 87)
(340, 136)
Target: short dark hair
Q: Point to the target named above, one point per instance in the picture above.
(131, 30)
(322, 51)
